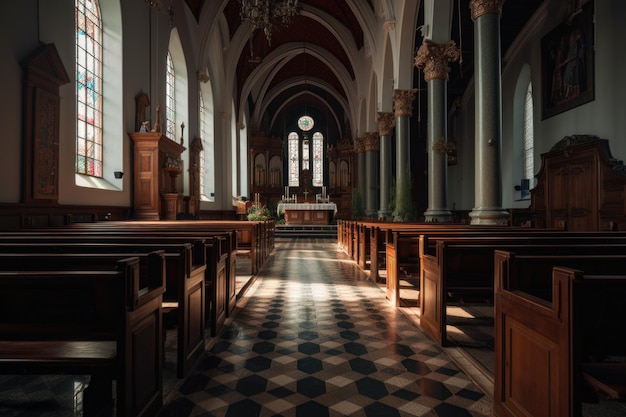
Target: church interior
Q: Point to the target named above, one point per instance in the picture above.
(310, 207)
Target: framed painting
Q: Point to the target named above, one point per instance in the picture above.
(567, 64)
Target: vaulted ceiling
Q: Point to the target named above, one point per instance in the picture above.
(308, 84)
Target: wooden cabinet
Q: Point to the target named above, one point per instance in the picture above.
(157, 176)
(580, 186)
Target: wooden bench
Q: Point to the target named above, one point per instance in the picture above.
(84, 322)
(557, 327)
(372, 238)
(402, 263)
(252, 239)
(463, 268)
(403, 248)
(185, 270)
(221, 297)
(223, 240)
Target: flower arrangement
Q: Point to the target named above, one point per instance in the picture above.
(258, 213)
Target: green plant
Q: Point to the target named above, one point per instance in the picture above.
(404, 210)
(258, 213)
(392, 196)
(357, 206)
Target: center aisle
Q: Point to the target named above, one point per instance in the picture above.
(314, 336)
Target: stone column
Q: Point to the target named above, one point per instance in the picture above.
(403, 110)
(386, 123)
(433, 58)
(488, 130)
(371, 145)
(361, 165)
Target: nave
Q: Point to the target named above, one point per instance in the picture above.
(314, 336)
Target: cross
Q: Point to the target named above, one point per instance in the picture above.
(306, 193)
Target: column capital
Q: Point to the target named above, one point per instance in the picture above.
(403, 102)
(433, 58)
(389, 25)
(386, 123)
(203, 76)
(482, 7)
(371, 142)
(359, 145)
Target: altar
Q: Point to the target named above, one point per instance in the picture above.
(307, 213)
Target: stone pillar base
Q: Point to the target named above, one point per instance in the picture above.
(492, 217)
(438, 216)
(384, 215)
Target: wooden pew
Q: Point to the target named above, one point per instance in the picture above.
(374, 236)
(185, 268)
(463, 268)
(403, 249)
(220, 281)
(221, 294)
(254, 239)
(85, 322)
(554, 326)
(402, 262)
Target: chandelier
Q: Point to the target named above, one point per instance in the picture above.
(268, 14)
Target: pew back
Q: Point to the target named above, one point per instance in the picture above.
(540, 340)
(81, 322)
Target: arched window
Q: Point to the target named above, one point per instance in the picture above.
(529, 139)
(318, 159)
(203, 132)
(306, 161)
(89, 146)
(293, 143)
(170, 99)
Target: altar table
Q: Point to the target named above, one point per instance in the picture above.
(307, 213)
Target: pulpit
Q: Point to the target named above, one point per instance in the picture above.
(157, 176)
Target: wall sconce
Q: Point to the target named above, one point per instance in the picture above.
(118, 174)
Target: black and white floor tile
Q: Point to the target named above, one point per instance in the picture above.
(315, 337)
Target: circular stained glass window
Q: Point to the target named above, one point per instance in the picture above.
(305, 123)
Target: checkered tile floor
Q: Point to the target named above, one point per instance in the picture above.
(315, 337)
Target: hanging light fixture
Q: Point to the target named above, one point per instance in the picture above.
(268, 14)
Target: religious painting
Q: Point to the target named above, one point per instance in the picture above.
(567, 61)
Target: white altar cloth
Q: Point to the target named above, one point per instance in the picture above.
(306, 206)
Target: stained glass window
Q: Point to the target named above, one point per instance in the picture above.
(293, 150)
(88, 88)
(318, 159)
(305, 154)
(170, 99)
(305, 123)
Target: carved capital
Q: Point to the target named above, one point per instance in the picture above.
(441, 147)
(386, 123)
(389, 25)
(371, 142)
(433, 58)
(359, 145)
(482, 7)
(203, 76)
(403, 102)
